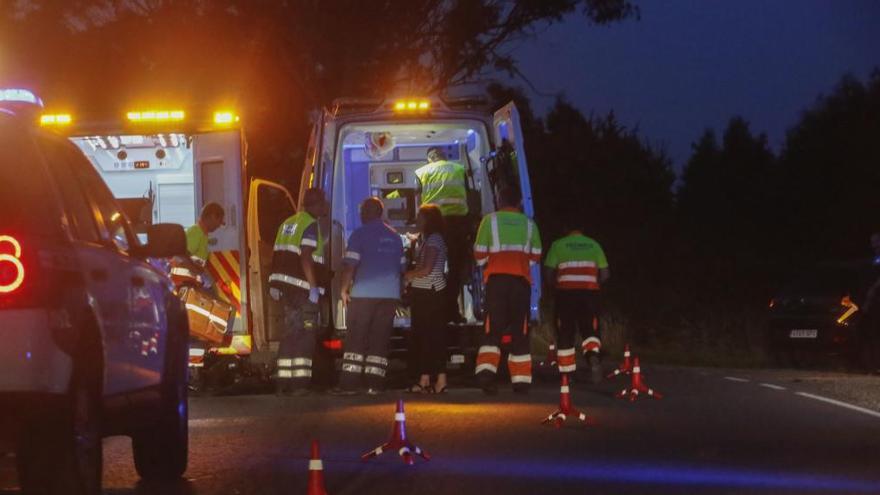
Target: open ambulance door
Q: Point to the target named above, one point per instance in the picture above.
(269, 205)
(218, 168)
(509, 141)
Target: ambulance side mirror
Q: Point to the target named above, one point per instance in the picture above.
(165, 240)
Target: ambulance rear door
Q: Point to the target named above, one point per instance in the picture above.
(269, 205)
(508, 138)
(219, 171)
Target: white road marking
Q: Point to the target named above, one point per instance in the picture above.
(772, 386)
(735, 379)
(869, 412)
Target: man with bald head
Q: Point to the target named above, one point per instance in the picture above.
(373, 264)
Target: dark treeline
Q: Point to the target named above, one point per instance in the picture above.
(695, 261)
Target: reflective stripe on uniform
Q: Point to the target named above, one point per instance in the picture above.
(285, 374)
(288, 247)
(352, 368)
(520, 366)
(302, 373)
(285, 363)
(488, 358)
(377, 360)
(353, 356)
(577, 278)
(352, 255)
(374, 370)
(576, 264)
(287, 279)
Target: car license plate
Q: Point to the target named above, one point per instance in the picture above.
(803, 334)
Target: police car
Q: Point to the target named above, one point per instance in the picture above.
(93, 340)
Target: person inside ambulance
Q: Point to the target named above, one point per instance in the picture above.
(444, 183)
(191, 270)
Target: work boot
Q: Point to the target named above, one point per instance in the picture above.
(595, 368)
(375, 391)
(489, 387)
(521, 388)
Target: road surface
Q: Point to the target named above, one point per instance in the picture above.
(715, 431)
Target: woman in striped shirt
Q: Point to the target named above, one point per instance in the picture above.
(427, 283)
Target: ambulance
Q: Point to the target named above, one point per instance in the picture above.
(163, 165)
(361, 148)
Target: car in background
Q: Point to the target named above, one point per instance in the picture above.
(819, 314)
(95, 341)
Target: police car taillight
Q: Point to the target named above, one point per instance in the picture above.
(12, 268)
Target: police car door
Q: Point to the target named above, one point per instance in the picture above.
(219, 178)
(269, 204)
(509, 139)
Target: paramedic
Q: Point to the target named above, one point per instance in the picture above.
(371, 281)
(507, 244)
(577, 265)
(297, 270)
(444, 183)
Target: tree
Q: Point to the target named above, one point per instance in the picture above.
(274, 60)
(830, 178)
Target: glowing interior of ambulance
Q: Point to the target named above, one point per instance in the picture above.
(380, 159)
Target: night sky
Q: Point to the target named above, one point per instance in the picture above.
(692, 64)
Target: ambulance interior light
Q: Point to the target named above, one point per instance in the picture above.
(412, 105)
(225, 118)
(157, 116)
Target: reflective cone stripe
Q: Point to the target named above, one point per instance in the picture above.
(398, 441)
(520, 367)
(567, 360)
(225, 268)
(591, 344)
(488, 359)
(316, 472)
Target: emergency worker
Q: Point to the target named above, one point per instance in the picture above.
(295, 282)
(190, 270)
(576, 267)
(508, 242)
(371, 281)
(444, 183)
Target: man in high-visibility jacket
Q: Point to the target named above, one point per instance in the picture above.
(295, 282)
(576, 266)
(192, 269)
(444, 183)
(508, 243)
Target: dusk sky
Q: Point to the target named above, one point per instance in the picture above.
(692, 64)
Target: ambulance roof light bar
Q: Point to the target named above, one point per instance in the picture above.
(152, 116)
(225, 118)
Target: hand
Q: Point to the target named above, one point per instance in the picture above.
(346, 297)
(275, 294)
(412, 236)
(314, 294)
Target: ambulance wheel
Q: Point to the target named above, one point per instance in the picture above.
(161, 451)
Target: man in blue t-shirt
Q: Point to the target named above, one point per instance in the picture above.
(374, 262)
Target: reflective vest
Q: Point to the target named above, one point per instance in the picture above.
(444, 184)
(197, 243)
(508, 242)
(577, 260)
(286, 262)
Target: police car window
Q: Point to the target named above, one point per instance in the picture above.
(80, 217)
(112, 218)
(27, 202)
(274, 208)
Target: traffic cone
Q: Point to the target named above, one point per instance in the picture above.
(565, 408)
(398, 441)
(625, 368)
(638, 386)
(550, 360)
(316, 472)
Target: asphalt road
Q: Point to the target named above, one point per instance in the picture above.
(714, 432)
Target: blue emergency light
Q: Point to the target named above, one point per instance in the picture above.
(16, 95)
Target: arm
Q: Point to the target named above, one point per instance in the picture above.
(308, 265)
(347, 282)
(604, 274)
(426, 264)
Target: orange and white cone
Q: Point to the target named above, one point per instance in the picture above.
(626, 367)
(565, 408)
(316, 472)
(638, 387)
(399, 441)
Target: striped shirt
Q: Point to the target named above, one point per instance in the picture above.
(436, 279)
